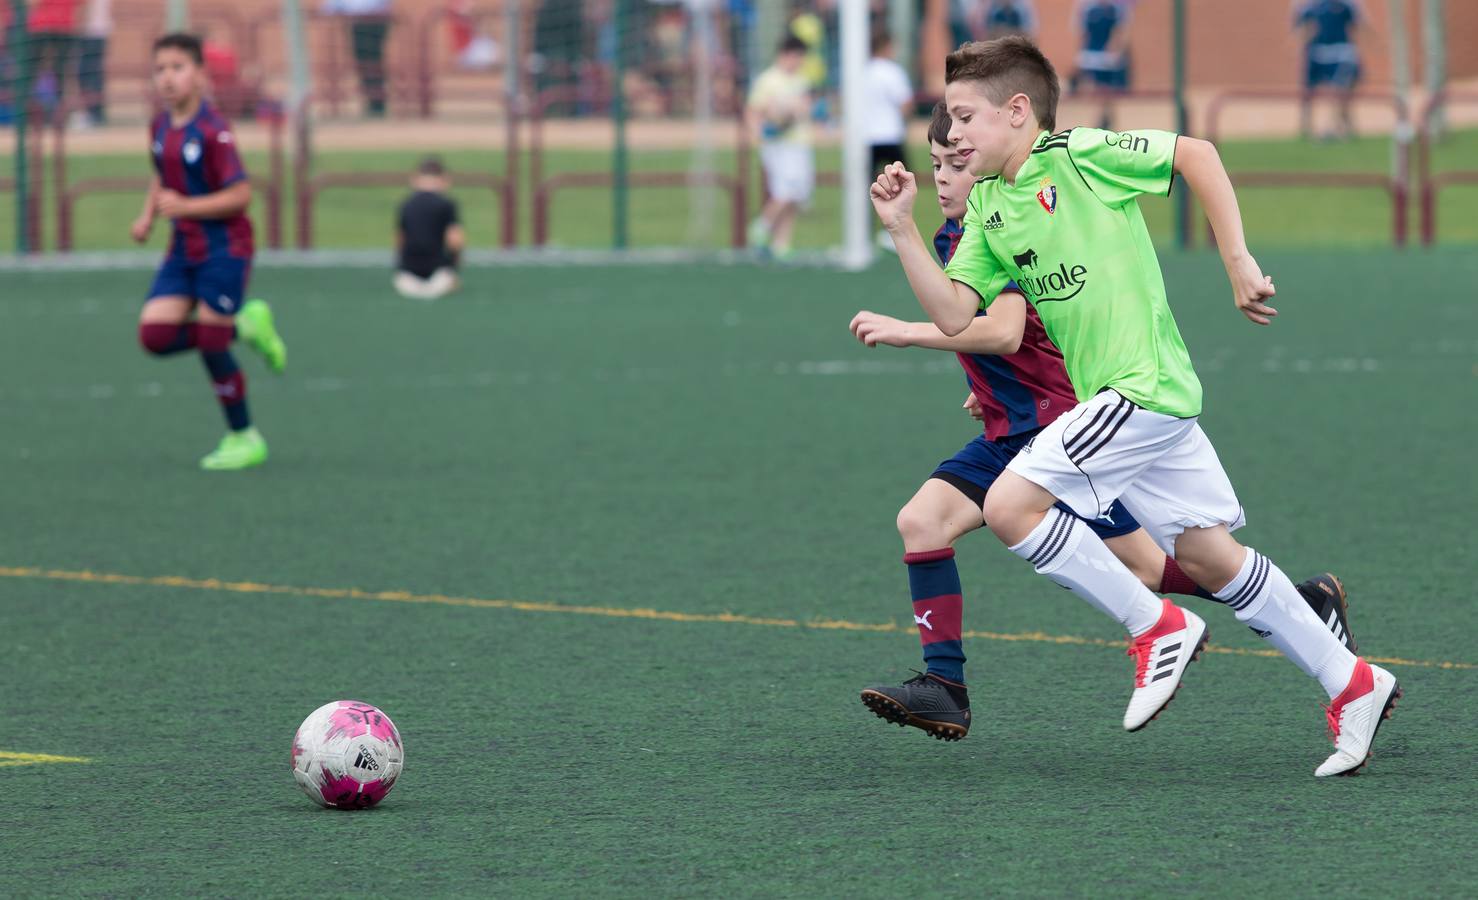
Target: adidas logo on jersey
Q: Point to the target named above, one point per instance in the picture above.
(994, 223)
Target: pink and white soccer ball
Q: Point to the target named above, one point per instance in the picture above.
(347, 755)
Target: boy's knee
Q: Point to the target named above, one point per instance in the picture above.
(918, 527)
(1211, 557)
(159, 338)
(997, 510)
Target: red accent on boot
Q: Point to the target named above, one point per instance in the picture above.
(1361, 683)
(1172, 619)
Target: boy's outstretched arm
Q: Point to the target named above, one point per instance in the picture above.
(1200, 165)
(144, 224)
(950, 305)
(999, 333)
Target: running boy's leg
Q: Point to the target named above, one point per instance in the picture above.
(221, 286)
(944, 509)
(1186, 492)
(1066, 462)
(1110, 447)
(164, 322)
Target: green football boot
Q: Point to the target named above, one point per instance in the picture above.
(238, 450)
(254, 324)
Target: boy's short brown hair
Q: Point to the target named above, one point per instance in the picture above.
(1005, 67)
(187, 44)
(940, 124)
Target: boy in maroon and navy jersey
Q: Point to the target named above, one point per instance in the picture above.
(1018, 386)
(197, 300)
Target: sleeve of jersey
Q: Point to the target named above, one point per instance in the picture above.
(223, 162)
(973, 264)
(1120, 165)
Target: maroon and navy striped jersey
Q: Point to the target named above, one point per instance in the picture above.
(195, 159)
(1021, 392)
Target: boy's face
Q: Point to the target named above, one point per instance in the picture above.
(952, 179)
(176, 76)
(984, 133)
(790, 61)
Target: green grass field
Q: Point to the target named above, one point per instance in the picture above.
(615, 549)
(363, 217)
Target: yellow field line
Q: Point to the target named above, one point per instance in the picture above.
(252, 587)
(8, 758)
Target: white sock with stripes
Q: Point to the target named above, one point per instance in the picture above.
(1068, 552)
(1263, 597)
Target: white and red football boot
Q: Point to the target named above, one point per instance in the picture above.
(1355, 716)
(1162, 654)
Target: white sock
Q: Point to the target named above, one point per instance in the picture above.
(1263, 597)
(1068, 552)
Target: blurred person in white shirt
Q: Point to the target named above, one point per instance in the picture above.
(889, 97)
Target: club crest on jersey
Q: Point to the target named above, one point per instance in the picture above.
(1047, 195)
(192, 153)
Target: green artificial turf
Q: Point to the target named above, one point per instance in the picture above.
(705, 441)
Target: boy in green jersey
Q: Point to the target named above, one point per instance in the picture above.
(1057, 214)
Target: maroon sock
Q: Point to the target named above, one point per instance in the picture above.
(1176, 581)
(230, 384)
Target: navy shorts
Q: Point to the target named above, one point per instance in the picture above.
(1108, 79)
(218, 282)
(975, 468)
(1338, 75)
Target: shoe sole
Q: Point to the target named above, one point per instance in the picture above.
(251, 465)
(1195, 655)
(1386, 712)
(888, 709)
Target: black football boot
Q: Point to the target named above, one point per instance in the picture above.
(928, 702)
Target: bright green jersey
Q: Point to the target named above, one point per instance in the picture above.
(1070, 234)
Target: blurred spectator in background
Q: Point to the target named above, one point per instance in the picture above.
(1103, 59)
(1331, 58)
(999, 18)
(559, 46)
(97, 24)
(7, 66)
(889, 98)
(428, 236)
(964, 19)
(369, 25)
(779, 113)
(234, 95)
(664, 39)
(807, 26)
(475, 48)
(742, 18)
(53, 43)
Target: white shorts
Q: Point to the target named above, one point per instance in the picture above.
(1163, 469)
(790, 171)
(442, 282)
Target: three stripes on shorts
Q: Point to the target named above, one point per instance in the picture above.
(1093, 437)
